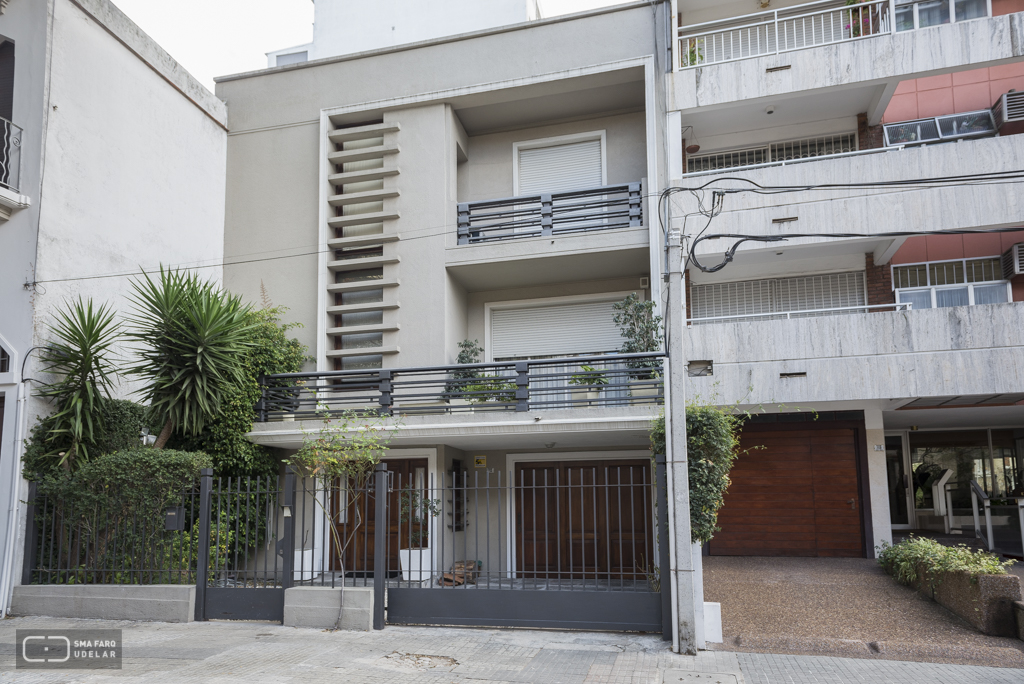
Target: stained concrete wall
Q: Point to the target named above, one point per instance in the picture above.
(319, 608)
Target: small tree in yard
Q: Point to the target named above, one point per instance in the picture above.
(346, 452)
(192, 339)
(79, 355)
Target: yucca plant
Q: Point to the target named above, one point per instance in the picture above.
(79, 355)
(192, 340)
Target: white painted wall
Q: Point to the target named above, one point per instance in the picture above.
(342, 27)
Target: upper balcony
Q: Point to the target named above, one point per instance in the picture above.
(969, 352)
(829, 43)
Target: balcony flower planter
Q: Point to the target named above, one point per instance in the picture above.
(644, 387)
(984, 601)
(416, 563)
(584, 397)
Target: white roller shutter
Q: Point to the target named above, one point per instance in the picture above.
(778, 295)
(558, 330)
(560, 168)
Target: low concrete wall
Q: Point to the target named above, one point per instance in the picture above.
(987, 603)
(318, 607)
(155, 603)
(1018, 609)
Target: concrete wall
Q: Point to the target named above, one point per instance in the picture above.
(488, 172)
(345, 26)
(319, 607)
(934, 352)
(152, 603)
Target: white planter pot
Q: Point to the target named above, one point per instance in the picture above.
(416, 564)
(584, 397)
(643, 388)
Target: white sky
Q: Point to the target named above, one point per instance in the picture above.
(219, 37)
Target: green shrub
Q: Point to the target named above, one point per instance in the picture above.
(905, 560)
(223, 437)
(712, 443)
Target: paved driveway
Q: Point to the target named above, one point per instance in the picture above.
(842, 607)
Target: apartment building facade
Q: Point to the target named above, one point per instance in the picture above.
(112, 158)
(889, 367)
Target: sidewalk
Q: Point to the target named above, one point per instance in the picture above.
(254, 653)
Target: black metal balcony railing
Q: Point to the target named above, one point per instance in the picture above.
(613, 206)
(592, 381)
(10, 154)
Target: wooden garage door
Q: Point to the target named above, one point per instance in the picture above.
(796, 496)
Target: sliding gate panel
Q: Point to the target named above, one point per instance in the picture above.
(569, 545)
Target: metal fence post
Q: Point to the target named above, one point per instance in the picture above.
(636, 216)
(380, 543)
(31, 536)
(664, 581)
(384, 385)
(522, 386)
(261, 403)
(463, 224)
(288, 563)
(546, 216)
(203, 552)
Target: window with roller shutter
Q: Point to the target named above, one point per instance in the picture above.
(559, 167)
(759, 299)
(569, 329)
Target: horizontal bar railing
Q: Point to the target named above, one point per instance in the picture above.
(118, 539)
(605, 208)
(801, 313)
(576, 382)
(10, 155)
(777, 31)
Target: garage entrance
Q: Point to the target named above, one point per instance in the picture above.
(796, 491)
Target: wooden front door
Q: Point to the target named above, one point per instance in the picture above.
(793, 493)
(355, 519)
(584, 519)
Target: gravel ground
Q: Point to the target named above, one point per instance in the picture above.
(841, 607)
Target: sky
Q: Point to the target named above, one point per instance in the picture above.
(220, 37)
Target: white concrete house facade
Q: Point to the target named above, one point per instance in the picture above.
(909, 378)
(119, 165)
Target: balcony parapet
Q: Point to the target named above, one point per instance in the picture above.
(605, 381)
(883, 58)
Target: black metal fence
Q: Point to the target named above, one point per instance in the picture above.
(613, 206)
(580, 382)
(109, 540)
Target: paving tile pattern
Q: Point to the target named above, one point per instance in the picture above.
(254, 653)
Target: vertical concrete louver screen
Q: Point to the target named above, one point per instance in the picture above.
(362, 262)
(778, 295)
(560, 168)
(558, 330)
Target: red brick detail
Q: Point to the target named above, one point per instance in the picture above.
(868, 137)
(879, 282)
(686, 285)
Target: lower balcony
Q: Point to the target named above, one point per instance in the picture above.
(609, 381)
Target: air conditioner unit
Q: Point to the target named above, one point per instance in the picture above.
(940, 128)
(1013, 261)
(1009, 108)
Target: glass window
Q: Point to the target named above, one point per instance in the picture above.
(932, 13)
(910, 276)
(918, 299)
(990, 294)
(965, 452)
(955, 296)
(971, 9)
(362, 297)
(362, 318)
(905, 18)
(946, 273)
(984, 270)
(362, 341)
(362, 362)
(1008, 459)
(359, 276)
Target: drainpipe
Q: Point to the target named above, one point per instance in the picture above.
(13, 526)
(685, 591)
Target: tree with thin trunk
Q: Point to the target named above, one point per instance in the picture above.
(191, 339)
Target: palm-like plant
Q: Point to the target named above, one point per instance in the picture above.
(192, 339)
(79, 354)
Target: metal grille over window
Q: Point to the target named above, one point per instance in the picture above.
(751, 300)
(775, 152)
(962, 282)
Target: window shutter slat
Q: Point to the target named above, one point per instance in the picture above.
(558, 330)
(560, 168)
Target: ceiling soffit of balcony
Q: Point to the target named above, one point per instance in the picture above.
(568, 99)
(527, 271)
(952, 416)
(790, 110)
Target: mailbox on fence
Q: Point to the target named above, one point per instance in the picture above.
(174, 519)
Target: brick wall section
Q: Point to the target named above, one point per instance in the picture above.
(868, 137)
(879, 282)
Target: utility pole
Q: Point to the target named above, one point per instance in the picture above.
(689, 596)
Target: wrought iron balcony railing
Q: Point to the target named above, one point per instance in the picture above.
(579, 382)
(613, 206)
(10, 154)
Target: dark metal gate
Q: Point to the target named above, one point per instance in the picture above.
(246, 547)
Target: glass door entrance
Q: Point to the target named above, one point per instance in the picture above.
(899, 482)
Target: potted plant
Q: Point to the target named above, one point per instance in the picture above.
(587, 384)
(642, 331)
(414, 552)
(487, 388)
(469, 353)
